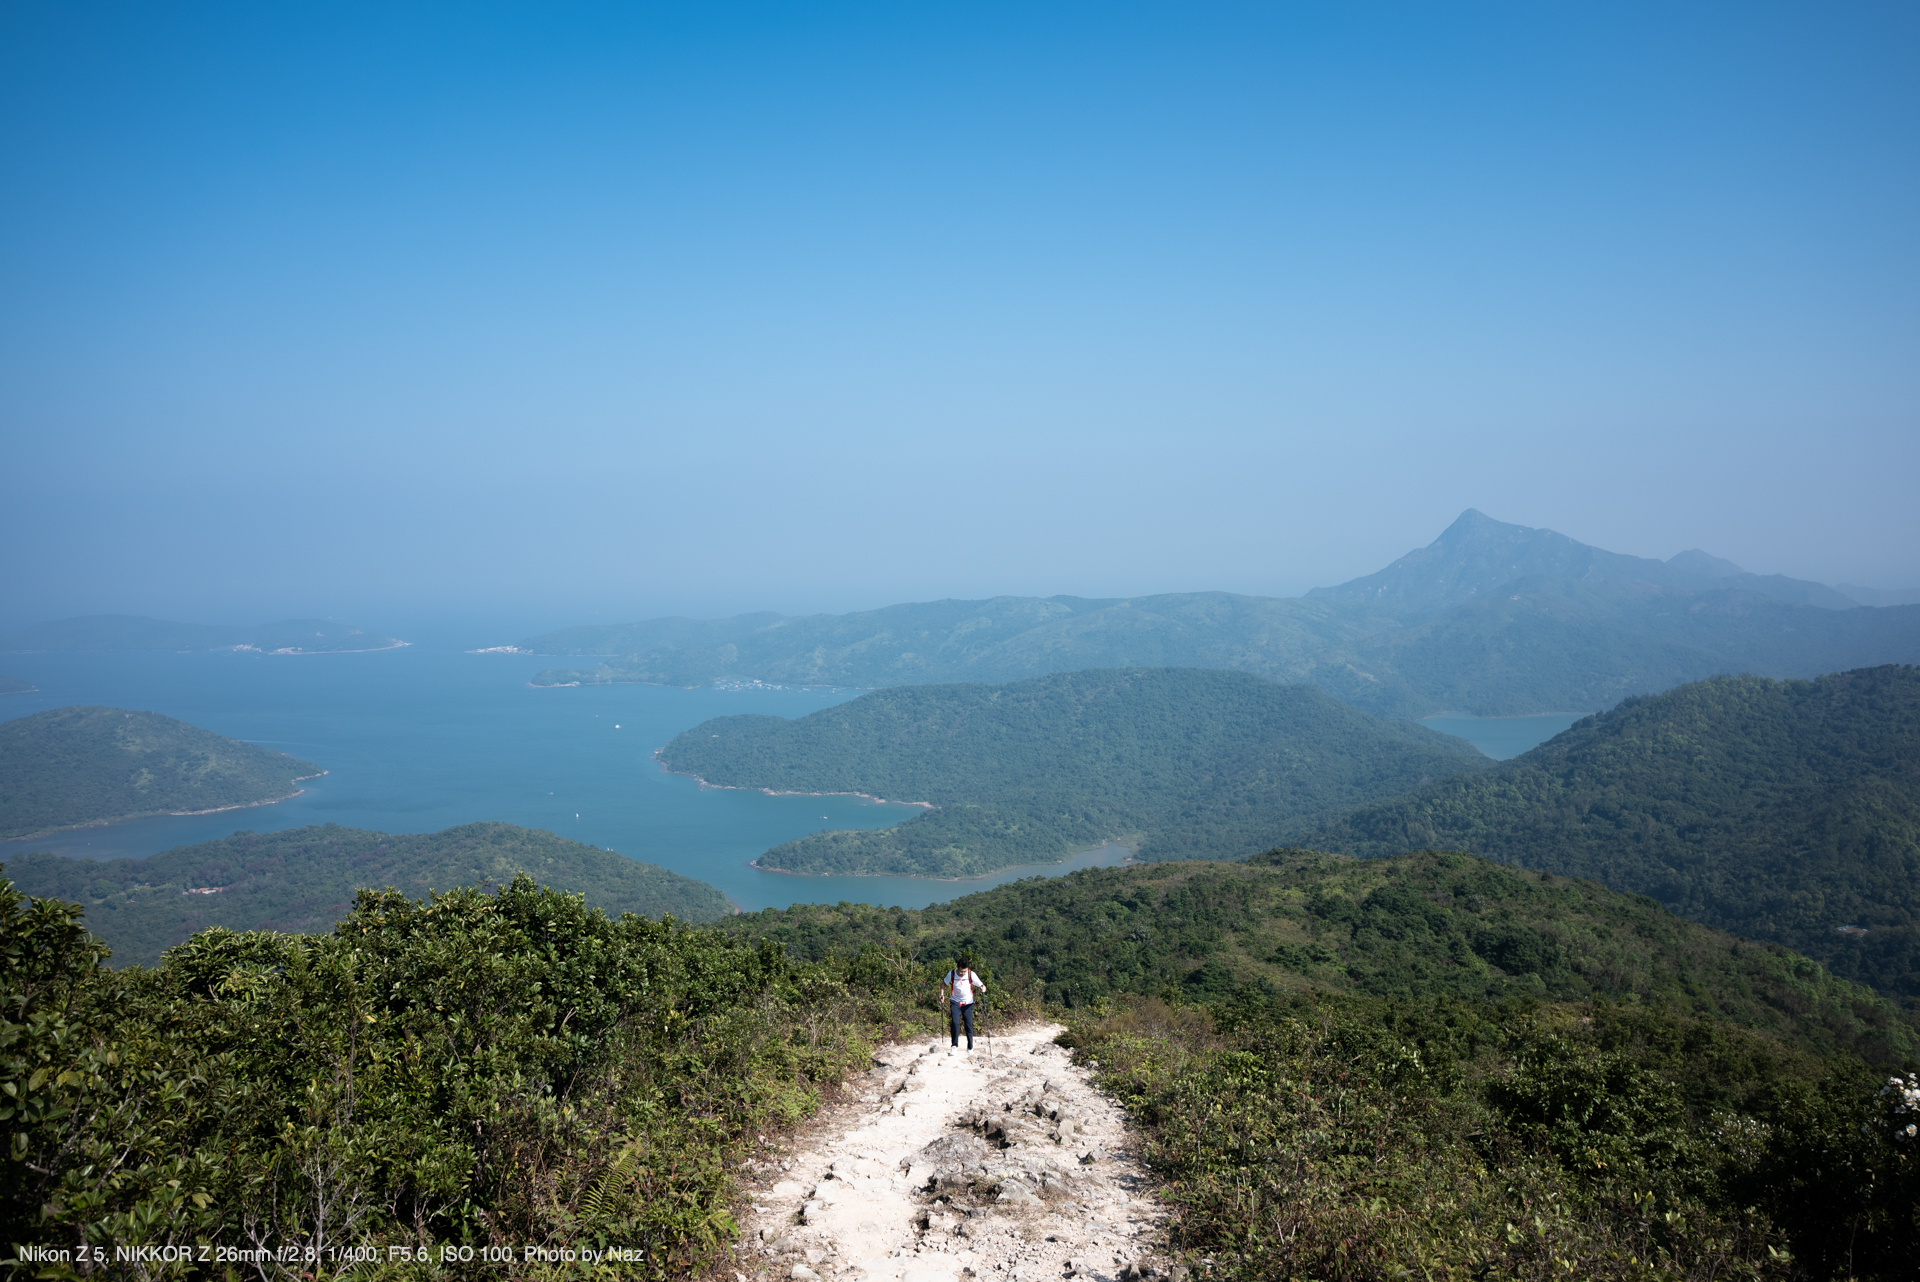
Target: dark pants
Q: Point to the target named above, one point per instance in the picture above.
(956, 1013)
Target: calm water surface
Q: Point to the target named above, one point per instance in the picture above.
(423, 738)
(1503, 737)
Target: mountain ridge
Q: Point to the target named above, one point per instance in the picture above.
(1477, 555)
(1436, 631)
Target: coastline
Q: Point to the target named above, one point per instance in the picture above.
(1504, 716)
(248, 805)
(1127, 843)
(245, 648)
(718, 683)
(155, 814)
(372, 649)
(775, 792)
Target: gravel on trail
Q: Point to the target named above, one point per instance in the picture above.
(1004, 1166)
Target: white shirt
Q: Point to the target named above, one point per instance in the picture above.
(963, 982)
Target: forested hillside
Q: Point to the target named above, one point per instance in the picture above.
(1430, 924)
(1782, 811)
(304, 880)
(76, 766)
(1491, 618)
(1191, 763)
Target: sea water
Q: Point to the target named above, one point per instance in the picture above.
(426, 737)
(1503, 738)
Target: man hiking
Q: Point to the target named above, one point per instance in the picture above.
(957, 990)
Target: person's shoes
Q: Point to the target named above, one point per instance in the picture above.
(954, 1051)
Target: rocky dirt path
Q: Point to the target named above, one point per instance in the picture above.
(1005, 1166)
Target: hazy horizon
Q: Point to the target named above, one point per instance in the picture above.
(498, 321)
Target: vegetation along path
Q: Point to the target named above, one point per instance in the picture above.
(1003, 1163)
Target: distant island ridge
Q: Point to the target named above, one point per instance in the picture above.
(1491, 619)
(109, 632)
(13, 685)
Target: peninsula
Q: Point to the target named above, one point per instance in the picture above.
(1184, 762)
(78, 766)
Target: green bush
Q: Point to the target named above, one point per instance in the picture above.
(476, 1069)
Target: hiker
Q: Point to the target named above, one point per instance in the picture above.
(957, 991)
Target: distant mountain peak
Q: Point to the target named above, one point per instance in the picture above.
(1695, 561)
(1474, 519)
(1476, 556)
(1472, 557)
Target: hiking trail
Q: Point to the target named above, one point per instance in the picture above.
(1004, 1166)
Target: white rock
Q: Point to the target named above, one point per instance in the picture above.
(787, 1188)
(801, 1273)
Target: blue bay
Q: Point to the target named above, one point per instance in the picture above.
(423, 738)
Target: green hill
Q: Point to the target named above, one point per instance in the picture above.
(1420, 926)
(1783, 811)
(75, 766)
(103, 632)
(305, 879)
(1491, 618)
(1191, 763)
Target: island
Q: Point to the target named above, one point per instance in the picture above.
(101, 633)
(73, 767)
(1180, 763)
(13, 685)
(305, 880)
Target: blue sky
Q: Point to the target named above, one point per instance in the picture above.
(549, 312)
